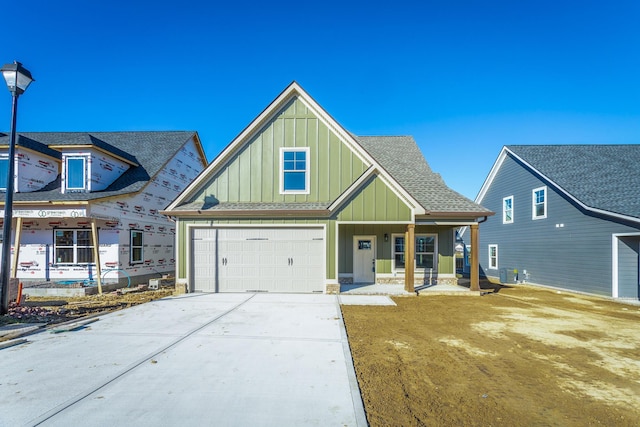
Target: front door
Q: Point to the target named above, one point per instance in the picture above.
(364, 259)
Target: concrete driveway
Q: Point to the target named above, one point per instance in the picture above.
(194, 360)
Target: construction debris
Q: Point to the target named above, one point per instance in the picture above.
(50, 311)
(73, 326)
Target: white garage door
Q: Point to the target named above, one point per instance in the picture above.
(258, 259)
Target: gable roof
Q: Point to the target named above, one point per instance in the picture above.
(600, 178)
(398, 160)
(403, 159)
(146, 152)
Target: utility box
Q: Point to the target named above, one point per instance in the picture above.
(156, 284)
(508, 276)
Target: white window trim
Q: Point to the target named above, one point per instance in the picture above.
(533, 202)
(504, 210)
(131, 246)
(491, 266)
(86, 173)
(393, 251)
(307, 171)
(75, 247)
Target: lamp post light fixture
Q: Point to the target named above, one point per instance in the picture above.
(18, 79)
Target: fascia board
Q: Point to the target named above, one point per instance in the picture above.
(237, 143)
(498, 164)
(352, 188)
(358, 150)
(72, 148)
(570, 196)
(416, 208)
(255, 126)
(279, 213)
(492, 174)
(203, 155)
(40, 153)
(357, 185)
(193, 138)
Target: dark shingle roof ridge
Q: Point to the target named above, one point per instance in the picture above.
(26, 142)
(601, 176)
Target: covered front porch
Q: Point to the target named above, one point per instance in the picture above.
(418, 255)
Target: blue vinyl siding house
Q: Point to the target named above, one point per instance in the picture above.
(567, 216)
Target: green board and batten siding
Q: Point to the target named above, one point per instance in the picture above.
(375, 202)
(252, 175)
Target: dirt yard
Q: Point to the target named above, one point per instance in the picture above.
(521, 356)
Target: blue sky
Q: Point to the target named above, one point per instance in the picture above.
(463, 77)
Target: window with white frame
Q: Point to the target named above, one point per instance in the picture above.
(4, 171)
(136, 255)
(539, 203)
(73, 246)
(507, 210)
(493, 257)
(425, 251)
(76, 173)
(398, 252)
(294, 170)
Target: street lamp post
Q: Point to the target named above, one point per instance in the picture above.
(18, 79)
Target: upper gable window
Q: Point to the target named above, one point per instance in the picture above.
(507, 210)
(294, 170)
(4, 170)
(76, 173)
(539, 203)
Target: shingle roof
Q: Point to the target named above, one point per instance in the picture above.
(403, 160)
(23, 141)
(605, 177)
(149, 150)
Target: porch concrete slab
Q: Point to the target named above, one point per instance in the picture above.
(446, 290)
(198, 359)
(365, 300)
(374, 289)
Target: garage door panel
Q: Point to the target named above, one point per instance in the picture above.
(267, 259)
(204, 253)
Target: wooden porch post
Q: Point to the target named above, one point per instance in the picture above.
(96, 254)
(16, 248)
(475, 267)
(409, 255)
